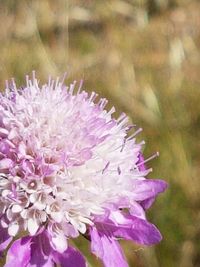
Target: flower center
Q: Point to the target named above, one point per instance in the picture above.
(32, 185)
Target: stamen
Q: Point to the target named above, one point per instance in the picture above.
(134, 134)
(7, 84)
(49, 81)
(123, 145)
(34, 76)
(102, 102)
(111, 111)
(3, 176)
(71, 88)
(64, 78)
(80, 87)
(57, 82)
(119, 170)
(93, 96)
(14, 85)
(148, 159)
(121, 117)
(130, 127)
(108, 163)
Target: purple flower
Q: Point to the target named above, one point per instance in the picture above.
(68, 168)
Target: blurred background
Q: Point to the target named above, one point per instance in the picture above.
(144, 56)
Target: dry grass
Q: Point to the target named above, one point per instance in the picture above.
(147, 66)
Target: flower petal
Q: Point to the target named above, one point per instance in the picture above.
(106, 248)
(70, 257)
(147, 188)
(32, 226)
(19, 253)
(37, 259)
(137, 210)
(5, 163)
(5, 239)
(140, 162)
(58, 241)
(41, 251)
(13, 229)
(133, 228)
(146, 204)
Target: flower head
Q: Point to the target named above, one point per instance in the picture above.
(68, 167)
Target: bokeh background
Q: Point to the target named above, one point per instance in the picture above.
(144, 56)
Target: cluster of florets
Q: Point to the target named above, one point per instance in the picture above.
(68, 167)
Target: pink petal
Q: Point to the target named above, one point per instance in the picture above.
(6, 163)
(131, 227)
(4, 147)
(32, 226)
(146, 204)
(70, 258)
(41, 252)
(58, 241)
(19, 253)
(147, 188)
(137, 210)
(13, 229)
(3, 132)
(108, 249)
(141, 166)
(38, 262)
(5, 239)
